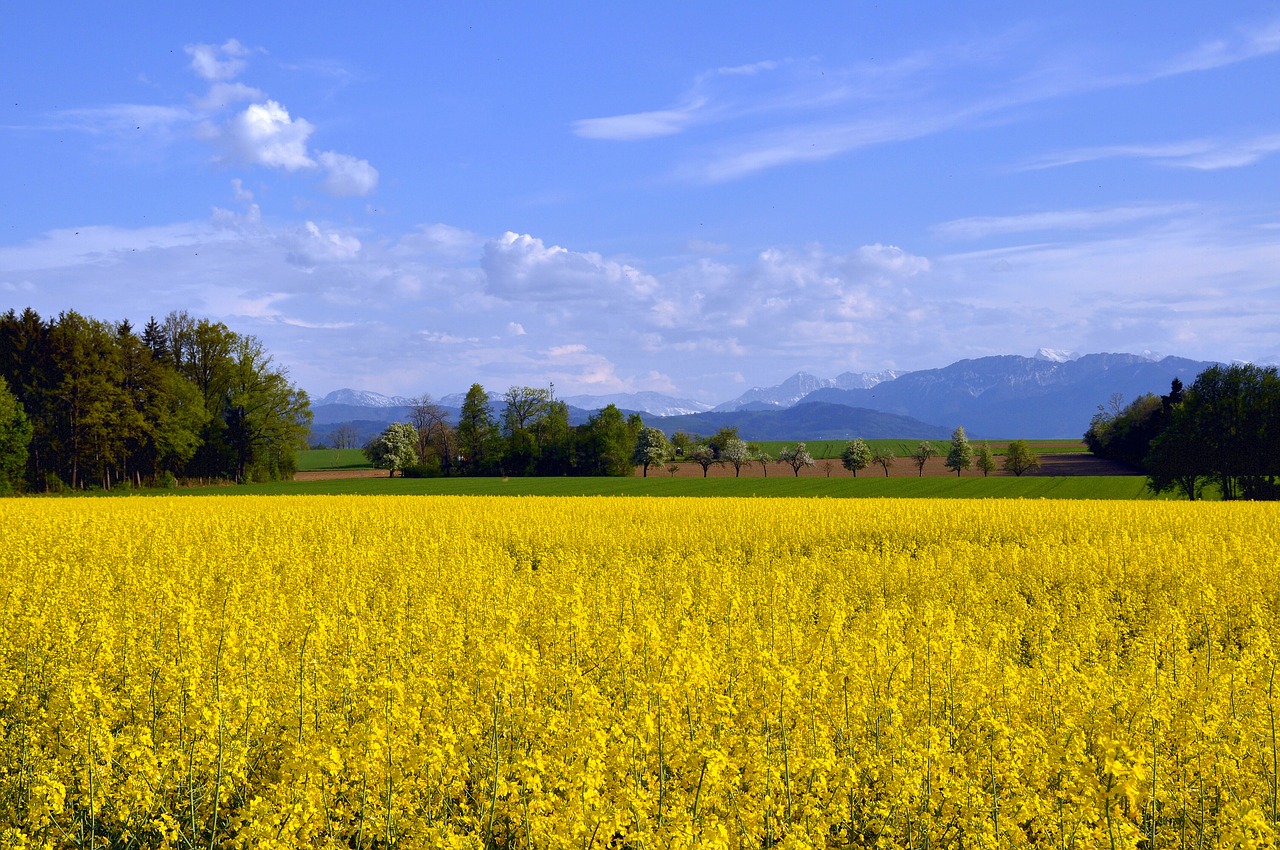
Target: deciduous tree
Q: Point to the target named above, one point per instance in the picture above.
(763, 458)
(984, 460)
(856, 455)
(477, 433)
(1018, 458)
(735, 453)
(395, 448)
(960, 455)
(796, 456)
(15, 435)
(884, 459)
(921, 456)
(652, 447)
(704, 456)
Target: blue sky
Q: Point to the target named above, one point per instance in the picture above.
(688, 198)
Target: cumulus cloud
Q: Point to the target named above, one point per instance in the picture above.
(312, 247)
(346, 176)
(522, 268)
(216, 62)
(265, 134)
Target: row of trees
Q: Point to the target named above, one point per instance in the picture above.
(961, 456)
(727, 448)
(1223, 430)
(529, 434)
(105, 405)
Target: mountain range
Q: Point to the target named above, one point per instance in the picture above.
(1050, 395)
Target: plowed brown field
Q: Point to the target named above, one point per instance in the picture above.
(1050, 465)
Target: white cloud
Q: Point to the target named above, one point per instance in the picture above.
(981, 227)
(1197, 154)
(442, 241)
(1216, 53)
(638, 125)
(515, 329)
(346, 175)
(522, 268)
(123, 119)
(222, 95)
(312, 247)
(264, 134)
(806, 111)
(215, 62)
(891, 258)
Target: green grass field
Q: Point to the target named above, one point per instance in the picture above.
(313, 460)
(1031, 487)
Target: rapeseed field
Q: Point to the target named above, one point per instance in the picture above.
(477, 672)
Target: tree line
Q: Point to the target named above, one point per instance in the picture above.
(1223, 430)
(526, 433)
(98, 404)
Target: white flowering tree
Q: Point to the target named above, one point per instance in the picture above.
(796, 456)
(856, 455)
(395, 448)
(652, 448)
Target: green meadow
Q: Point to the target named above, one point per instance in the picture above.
(845, 487)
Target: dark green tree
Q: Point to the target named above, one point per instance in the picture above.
(606, 443)
(1019, 459)
(478, 436)
(15, 436)
(960, 455)
(984, 460)
(523, 410)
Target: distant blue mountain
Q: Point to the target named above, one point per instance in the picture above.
(1051, 395)
(1011, 396)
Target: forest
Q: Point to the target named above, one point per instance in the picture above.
(1222, 432)
(99, 405)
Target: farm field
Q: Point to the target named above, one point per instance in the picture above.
(312, 460)
(361, 671)
(376, 482)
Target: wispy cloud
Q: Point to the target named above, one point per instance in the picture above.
(639, 125)
(807, 111)
(1198, 154)
(981, 227)
(1240, 46)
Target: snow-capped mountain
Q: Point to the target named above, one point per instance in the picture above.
(800, 385)
(1056, 355)
(363, 398)
(1052, 394)
(646, 402)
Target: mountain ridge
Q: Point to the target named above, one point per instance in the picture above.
(1052, 394)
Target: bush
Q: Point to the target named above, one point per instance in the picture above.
(430, 469)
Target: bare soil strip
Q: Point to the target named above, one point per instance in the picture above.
(1052, 465)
